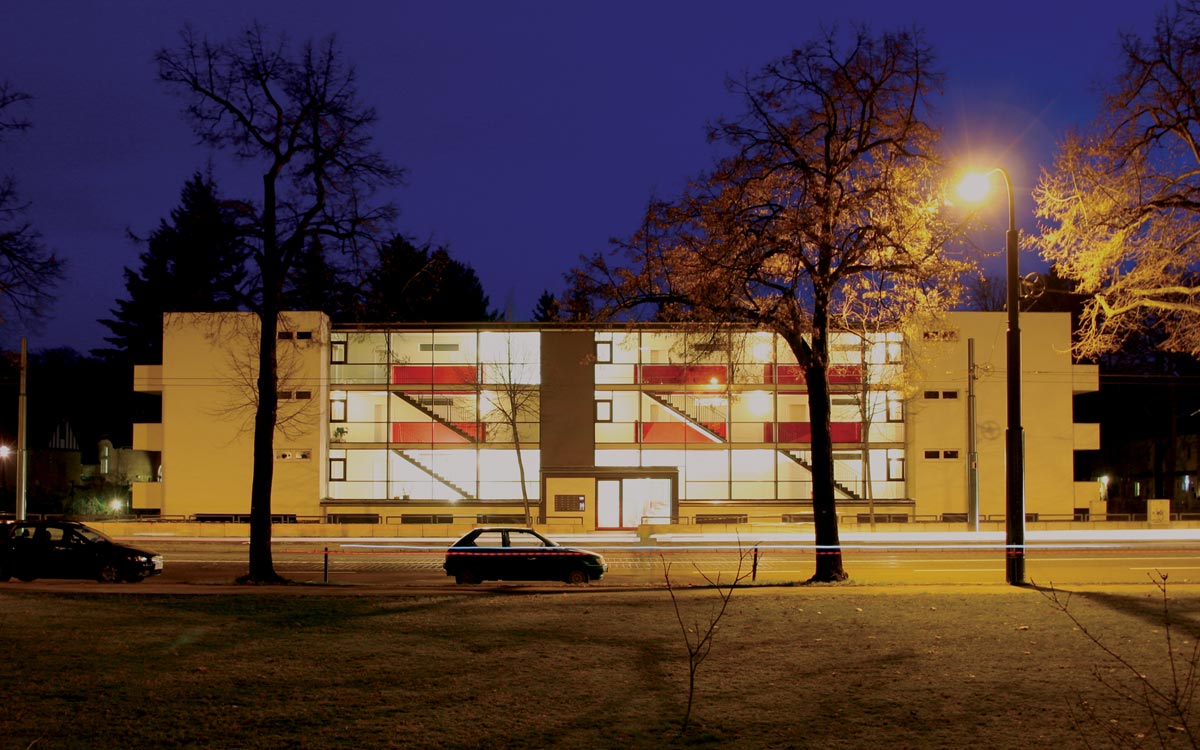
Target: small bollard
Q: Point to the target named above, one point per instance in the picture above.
(326, 565)
(754, 566)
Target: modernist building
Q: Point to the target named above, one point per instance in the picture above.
(607, 427)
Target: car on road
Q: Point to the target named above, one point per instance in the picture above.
(503, 553)
(68, 549)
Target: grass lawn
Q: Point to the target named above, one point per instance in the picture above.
(514, 666)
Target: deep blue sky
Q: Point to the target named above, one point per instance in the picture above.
(532, 131)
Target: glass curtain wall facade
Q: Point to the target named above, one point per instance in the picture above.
(732, 415)
(454, 415)
(434, 415)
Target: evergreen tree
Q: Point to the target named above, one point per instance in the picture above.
(317, 284)
(547, 310)
(422, 284)
(193, 262)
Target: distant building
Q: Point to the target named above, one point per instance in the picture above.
(605, 427)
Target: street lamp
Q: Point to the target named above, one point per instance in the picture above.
(974, 187)
(5, 451)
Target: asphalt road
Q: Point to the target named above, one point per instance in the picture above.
(932, 562)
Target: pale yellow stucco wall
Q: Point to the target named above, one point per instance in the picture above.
(209, 368)
(1048, 381)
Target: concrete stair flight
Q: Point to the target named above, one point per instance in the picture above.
(417, 463)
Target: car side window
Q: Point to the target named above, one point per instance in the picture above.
(523, 539)
(489, 539)
(56, 536)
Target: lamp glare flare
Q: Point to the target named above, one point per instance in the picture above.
(974, 187)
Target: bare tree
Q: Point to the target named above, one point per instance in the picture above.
(832, 178)
(516, 403)
(28, 271)
(1121, 203)
(698, 634)
(295, 114)
(1167, 703)
(986, 293)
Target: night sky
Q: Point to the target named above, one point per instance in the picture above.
(532, 132)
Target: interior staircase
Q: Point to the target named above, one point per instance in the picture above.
(668, 401)
(417, 463)
(417, 404)
(838, 486)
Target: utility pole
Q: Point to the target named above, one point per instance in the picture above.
(972, 443)
(22, 455)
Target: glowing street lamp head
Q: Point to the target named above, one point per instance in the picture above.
(975, 186)
(5, 451)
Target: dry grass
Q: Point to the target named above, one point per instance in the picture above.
(826, 667)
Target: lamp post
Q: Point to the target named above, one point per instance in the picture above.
(1014, 435)
(4, 453)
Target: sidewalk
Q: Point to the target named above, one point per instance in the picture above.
(805, 538)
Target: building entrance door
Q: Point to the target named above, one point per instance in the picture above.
(608, 504)
(624, 503)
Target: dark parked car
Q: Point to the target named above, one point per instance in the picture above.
(519, 554)
(66, 549)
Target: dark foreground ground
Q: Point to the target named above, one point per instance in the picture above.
(514, 666)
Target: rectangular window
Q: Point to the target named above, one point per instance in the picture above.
(304, 335)
(940, 335)
(604, 410)
(933, 394)
(337, 469)
(439, 347)
(604, 352)
(895, 352)
(337, 353)
(895, 465)
(895, 406)
(950, 454)
(284, 396)
(933, 454)
(285, 335)
(949, 394)
(337, 406)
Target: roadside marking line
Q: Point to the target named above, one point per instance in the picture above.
(1165, 567)
(989, 571)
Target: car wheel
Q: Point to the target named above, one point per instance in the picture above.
(578, 575)
(134, 577)
(467, 576)
(108, 573)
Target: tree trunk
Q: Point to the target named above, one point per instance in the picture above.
(816, 374)
(262, 566)
(513, 409)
